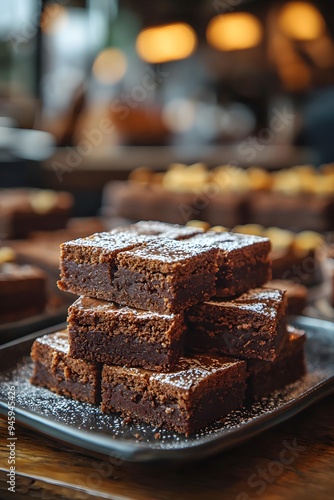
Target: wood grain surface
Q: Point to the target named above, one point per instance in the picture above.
(292, 461)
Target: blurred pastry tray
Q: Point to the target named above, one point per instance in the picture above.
(16, 329)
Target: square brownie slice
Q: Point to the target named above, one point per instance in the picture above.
(243, 261)
(87, 264)
(250, 326)
(268, 376)
(101, 331)
(56, 370)
(165, 276)
(156, 274)
(200, 390)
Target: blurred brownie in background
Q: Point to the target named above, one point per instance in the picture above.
(23, 291)
(23, 211)
(296, 294)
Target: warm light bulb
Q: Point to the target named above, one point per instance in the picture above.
(166, 43)
(301, 21)
(235, 31)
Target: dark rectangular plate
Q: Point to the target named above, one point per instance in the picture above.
(84, 426)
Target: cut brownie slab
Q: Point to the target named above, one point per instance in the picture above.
(250, 326)
(266, 376)
(159, 275)
(87, 264)
(199, 390)
(101, 331)
(165, 275)
(60, 373)
(243, 261)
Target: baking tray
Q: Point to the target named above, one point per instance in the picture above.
(83, 425)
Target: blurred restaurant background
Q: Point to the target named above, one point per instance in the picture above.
(220, 111)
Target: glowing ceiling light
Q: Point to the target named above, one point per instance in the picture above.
(301, 21)
(109, 66)
(234, 31)
(166, 43)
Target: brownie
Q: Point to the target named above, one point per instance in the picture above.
(25, 210)
(243, 261)
(56, 370)
(296, 294)
(165, 275)
(88, 264)
(101, 331)
(23, 291)
(268, 376)
(297, 212)
(139, 201)
(160, 275)
(252, 325)
(226, 209)
(199, 390)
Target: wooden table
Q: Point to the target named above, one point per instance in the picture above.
(259, 469)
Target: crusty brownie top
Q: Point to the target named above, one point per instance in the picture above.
(156, 228)
(259, 300)
(190, 372)
(88, 304)
(100, 247)
(15, 272)
(200, 371)
(231, 241)
(57, 341)
(108, 241)
(164, 255)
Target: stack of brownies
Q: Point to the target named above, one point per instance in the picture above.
(172, 326)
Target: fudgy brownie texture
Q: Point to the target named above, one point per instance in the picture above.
(250, 326)
(101, 331)
(23, 291)
(157, 274)
(25, 210)
(296, 294)
(268, 376)
(56, 370)
(199, 390)
(165, 275)
(243, 261)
